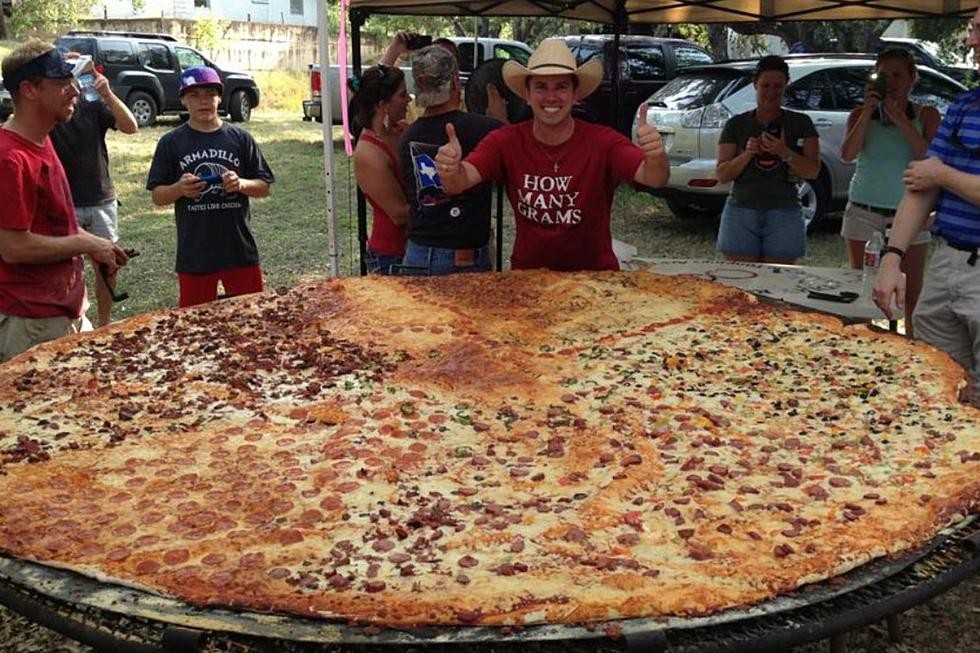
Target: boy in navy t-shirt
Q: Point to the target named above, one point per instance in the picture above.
(208, 169)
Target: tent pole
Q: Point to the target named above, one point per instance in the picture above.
(357, 18)
(620, 19)
(327, 122)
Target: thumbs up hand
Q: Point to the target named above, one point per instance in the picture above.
(449, 155)
(647, 136)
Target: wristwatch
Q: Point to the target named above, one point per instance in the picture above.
(889, 249)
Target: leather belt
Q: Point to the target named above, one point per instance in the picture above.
(965, 247)
(887, 213)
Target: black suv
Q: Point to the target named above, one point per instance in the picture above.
(646, 63)
(144, 72)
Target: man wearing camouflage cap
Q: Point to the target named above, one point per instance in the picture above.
(446, 234)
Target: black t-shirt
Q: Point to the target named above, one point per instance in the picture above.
(80, 144)
(436, 219)
(767, 182)
(213, 231)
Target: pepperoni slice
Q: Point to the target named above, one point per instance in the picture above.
(117, 555)
(291, 536)
(148, 567)
(147, 540)
(332, 502)
(214, 559)
(278, 572)
(176, 556)
(347, 486)
(253, 559)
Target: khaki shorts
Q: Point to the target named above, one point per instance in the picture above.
(18, 334)
(860, 224)
(947, 315)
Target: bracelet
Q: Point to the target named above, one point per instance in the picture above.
(889, 249)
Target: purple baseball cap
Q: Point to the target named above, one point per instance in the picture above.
(199, 76)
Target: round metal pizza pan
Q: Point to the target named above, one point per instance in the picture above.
(953, 555)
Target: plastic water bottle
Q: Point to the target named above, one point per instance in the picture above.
(872, 259)
(87, 83)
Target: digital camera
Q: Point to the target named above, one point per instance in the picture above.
(418, 41)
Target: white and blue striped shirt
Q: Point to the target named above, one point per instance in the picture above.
(957, 144)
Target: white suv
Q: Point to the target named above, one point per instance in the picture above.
(691, 110)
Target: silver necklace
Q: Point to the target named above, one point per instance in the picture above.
(555, 162)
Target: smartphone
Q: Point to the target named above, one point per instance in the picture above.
(844, 297)
(418, 41)
(775, 128)
(879, 84)
(210, 178)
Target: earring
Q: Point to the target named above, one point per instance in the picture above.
(387, 121)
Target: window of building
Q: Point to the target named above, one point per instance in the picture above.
(296, 7)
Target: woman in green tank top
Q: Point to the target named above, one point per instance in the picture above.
(883, 135)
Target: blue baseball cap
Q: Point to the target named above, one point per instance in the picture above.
(50, 64)
(199, 76)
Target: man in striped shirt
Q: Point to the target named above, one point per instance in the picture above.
(947, 181)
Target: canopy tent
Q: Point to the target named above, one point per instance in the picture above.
(620, 14)
(624, 12)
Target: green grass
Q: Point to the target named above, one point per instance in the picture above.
(291, 225)
(283, 90)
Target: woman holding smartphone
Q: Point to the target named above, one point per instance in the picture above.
(883, 135)
(766, 152)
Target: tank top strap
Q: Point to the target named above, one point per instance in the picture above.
(373, 138)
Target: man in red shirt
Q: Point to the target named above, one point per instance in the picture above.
(42, 288)
(561, 173)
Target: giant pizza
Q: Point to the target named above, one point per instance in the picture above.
(517, 448)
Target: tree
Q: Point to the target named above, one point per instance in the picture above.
(948, 33)
(43, 17)
(827, 36)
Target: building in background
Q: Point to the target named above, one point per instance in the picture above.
(277, 12)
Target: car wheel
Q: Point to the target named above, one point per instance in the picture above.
(687, 210)
(144, 108)
(813, 199)
(240, 106)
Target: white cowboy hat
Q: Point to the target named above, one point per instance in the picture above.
(553, 58)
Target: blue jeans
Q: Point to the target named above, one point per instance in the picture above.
(381, 263)
(421, 260)
(766, 234)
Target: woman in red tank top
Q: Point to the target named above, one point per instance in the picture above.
(377, 117)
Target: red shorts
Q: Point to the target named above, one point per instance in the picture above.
(202, 288)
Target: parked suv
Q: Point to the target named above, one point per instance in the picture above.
(144, 72)
(646, 63)
(928, 54)
(691, 110)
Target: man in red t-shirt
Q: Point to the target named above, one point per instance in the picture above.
(561, 173)
(42, 288)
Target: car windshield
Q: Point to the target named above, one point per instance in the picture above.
(697, 89)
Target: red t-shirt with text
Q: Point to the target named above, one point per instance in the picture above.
(35, 196)
(561, 195)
